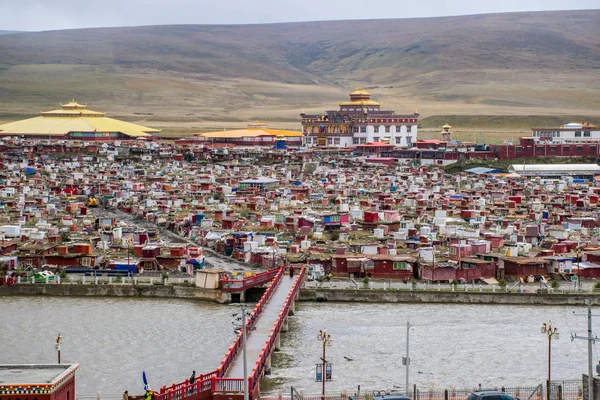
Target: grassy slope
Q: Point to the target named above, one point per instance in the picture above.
(192, 76)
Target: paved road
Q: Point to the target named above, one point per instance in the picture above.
(213, 259)
(257, 338)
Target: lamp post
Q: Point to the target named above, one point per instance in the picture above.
(406, 359)
(324, 338)
(245, 358)
(552, 333)
(57, 346)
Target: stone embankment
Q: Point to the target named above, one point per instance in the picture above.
(306, 295)
(447, 297)
(117, 290)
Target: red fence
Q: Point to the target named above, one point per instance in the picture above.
(239, 285)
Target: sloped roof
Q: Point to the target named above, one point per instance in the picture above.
(73, 117)
(240, 133)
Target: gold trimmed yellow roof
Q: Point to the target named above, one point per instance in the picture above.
(446, 126)
(73, 118)
(72, 104)
(359, 103)
(240, 133)
(360, 92)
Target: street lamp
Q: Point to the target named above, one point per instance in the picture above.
(245, 358)
(57, 345)
(552, 333)
(325, 338)
(406, 360)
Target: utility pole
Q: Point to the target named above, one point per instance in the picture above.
(406, 360)
(590, 341)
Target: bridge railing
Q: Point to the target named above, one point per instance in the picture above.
(238, 285)
(266, 350)
(233, 350)
(203, 383)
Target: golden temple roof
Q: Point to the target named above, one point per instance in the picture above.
(251, 132)
(72, 104)
(360, 92)
(359, 103)
(73, 118)
(446, 126)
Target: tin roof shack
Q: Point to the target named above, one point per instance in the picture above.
(262, 183)
(386, 266)
(522, 267)
(466, 270)
(37, 381)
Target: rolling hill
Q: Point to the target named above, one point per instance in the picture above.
(496, 64)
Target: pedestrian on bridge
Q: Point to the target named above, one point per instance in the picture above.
(291, 271)
(192, 380)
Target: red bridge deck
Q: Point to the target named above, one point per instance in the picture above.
(239, 285)
(267, 318)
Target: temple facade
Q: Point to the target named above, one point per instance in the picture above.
(359, 121)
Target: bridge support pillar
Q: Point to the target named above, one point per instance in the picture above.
(243, 296)
(268, 366)
(278, 342)
(292, 310)
(284, 326)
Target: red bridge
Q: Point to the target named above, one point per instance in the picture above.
(239, 285)
(268, 320)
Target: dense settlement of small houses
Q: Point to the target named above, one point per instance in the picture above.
(273, 207)
(125, 201)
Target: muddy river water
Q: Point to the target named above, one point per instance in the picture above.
(115, 339)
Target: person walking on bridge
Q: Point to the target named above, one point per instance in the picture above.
(291, 271)
(192, 380)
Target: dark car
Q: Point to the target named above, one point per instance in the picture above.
(391, 397)
(490, 395)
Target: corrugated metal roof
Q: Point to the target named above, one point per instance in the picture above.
(566, 168)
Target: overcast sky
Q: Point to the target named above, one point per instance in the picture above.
(37, 15)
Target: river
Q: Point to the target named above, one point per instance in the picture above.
(460, 346)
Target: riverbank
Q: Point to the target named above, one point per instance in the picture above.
(117, 290)
(432, 296)
(447, 297)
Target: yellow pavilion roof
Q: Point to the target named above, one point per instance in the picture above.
(360, 92)
(60, 126)
(359, 103)
(73, 117)
(446, 126)
(240, 133)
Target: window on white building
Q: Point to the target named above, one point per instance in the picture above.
(587, 134)
(336, 141)
(387, 129)
(398, 128)
(329, 140)
(363, 129)
(376, 138)
(363, 140)
(355, 140)
(355, 129)
(398, 140)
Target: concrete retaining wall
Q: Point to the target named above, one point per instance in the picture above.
(336, 295)
(117, 290)
(376, 296)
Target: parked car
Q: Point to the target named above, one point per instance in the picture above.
(490, 395)
(390, 397)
